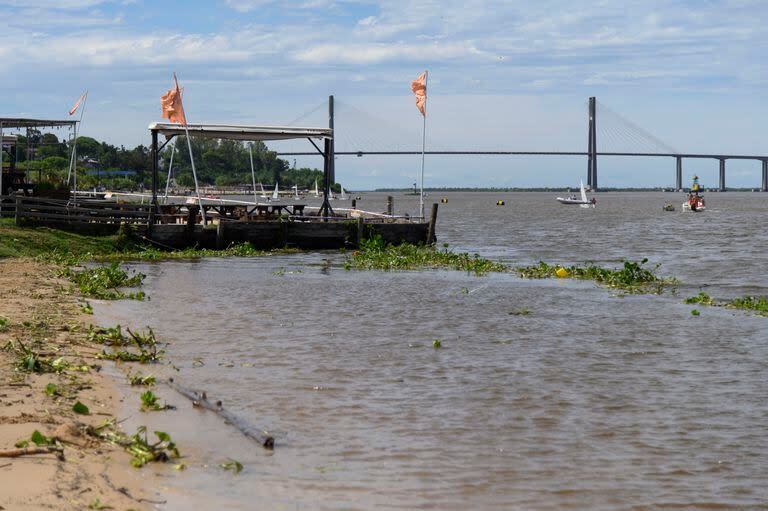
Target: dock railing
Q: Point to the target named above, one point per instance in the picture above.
(55, 211)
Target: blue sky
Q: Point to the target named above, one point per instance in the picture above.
(503, 75)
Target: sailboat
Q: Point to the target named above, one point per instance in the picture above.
(343, 195)
(296, 192)
(263, 193)
(275, 194)
(317, 194)
(582, 201)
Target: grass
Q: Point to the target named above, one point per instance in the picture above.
(374, 254)
(633, 277)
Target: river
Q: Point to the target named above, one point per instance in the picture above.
(545, 395)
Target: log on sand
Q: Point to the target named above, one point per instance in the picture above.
(201, 399)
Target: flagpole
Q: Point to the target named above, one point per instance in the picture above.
(192, 160)
(423, 144)
(74, 149)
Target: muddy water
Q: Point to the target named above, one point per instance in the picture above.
(590, 401)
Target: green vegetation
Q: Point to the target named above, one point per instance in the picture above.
(141, 380)
(150, 402)
(39, 440)
(80, 409)
(233, 465)
(144, 346)
(374, 254)
(51, 245)
(31, 361)
(219, 162)
(632, 277)
(756, 304)
(437, 344)
(103, 282)
(138, 445)
(695, 312)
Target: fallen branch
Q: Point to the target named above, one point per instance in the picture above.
(27, 451)
(201, 399)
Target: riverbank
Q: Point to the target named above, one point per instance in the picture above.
(39, 313)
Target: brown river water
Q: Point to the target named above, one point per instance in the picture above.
(592, 401)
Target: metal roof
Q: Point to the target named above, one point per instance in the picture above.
(20, 122)
(234, 132)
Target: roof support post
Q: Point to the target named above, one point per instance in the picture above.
(325, 209)
(722, 174)
(332, 172)
(679, 174)
(154, 155)
(2, 157)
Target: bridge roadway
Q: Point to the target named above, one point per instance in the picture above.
(678, 156)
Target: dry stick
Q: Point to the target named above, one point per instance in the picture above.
(25, 451)
(201, 399)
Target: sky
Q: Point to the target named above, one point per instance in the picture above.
(503, 75)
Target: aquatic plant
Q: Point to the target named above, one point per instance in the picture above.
(758, 304)
(374, 254)
(233, 465)
(137, 445)
(632, 277)
(695, 312)
(31, 361)
(437, 344)
(138, 379)
(80, 409)
(103, 282)
(150, 402)
(701, 298)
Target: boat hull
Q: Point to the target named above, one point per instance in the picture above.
(562, 200)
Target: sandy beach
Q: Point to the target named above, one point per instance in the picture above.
(39, 310)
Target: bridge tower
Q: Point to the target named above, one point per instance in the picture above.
(722, 174)
(679, 174)
(332, 163)
(765, 175)
(592, 145)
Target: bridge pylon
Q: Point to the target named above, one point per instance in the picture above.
(592, 145)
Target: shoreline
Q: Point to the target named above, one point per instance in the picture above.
(40, 312)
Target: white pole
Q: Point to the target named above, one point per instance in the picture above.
(74, 149)
(170, 167)
(423, 143)
(194, 175)
(253, 173)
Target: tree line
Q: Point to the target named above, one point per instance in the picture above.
(220, 163)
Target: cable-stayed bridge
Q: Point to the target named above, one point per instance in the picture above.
(608, 134)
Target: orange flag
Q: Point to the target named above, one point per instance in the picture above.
(77, 105)
(173, 110)
(419, 88)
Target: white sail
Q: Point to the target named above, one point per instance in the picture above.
(296, 192)
(317, 194)
(583, 192)
(275, 194)
(263, 193)
(343, 195)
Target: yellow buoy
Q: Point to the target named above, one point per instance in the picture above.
(444, 200)
(561, 272)
(499, 202)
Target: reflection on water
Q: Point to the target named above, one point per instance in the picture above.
(591, 401)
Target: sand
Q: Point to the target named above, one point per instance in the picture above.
(41, 311)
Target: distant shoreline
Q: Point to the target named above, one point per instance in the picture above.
(556, 190)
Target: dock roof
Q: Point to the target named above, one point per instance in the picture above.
(235, 132)
(22, 122)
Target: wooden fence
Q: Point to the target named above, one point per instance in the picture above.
(52, 211)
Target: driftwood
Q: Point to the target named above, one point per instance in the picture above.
(26, 451)
(201, 399)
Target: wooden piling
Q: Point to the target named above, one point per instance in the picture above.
(18, 210)
(354, 203)
(360, 231)
(220, 234)
(431, 238)
(390, 205)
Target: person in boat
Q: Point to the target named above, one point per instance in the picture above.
(593, 201)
